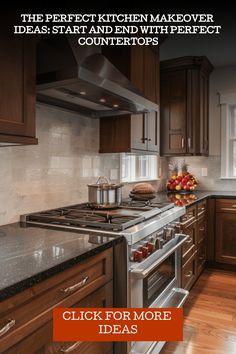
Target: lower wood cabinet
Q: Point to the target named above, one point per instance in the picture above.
(225, 235)
(40, 341)
(201, 258)
(31, 310)
(189, 272)
(194, 224)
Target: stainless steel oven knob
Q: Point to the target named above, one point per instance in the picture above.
(169, 233)
(177, 226)
(159, 243)
(136, 255)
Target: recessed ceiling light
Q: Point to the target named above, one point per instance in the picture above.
(102, 100)
(115, 105)
(83, 93)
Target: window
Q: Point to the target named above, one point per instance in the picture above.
(228, 135)
(138, 167)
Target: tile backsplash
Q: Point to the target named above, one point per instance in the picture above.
(55, 172)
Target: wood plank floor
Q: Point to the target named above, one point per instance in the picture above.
(210, 317)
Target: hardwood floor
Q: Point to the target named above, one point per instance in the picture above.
(210, 316)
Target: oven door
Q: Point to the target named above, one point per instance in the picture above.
(157, 279)
(156, 283)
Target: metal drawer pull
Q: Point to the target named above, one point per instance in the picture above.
(189, 143)
(7, 327)
(72, 347)
(234, 205)
(228, 209)
(188, 221)
(182, 143)
(189, 240)
(202, 229)
(189, 274)
(76, 286)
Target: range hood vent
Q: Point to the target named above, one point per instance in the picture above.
(81, 79)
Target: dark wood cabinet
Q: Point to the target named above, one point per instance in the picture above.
(17, 88)
(189, 248)
(225, 236)
(184, 106)
(194, 224)
(40, 341)
(32, 309)
(129, 133)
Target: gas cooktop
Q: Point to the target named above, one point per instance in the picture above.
(129, 213)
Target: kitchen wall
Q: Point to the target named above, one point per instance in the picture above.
(221, 79)
(55, 172)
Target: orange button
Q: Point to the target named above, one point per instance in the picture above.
(117, 324)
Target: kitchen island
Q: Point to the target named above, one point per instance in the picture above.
(29, 255)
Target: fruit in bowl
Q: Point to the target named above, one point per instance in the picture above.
(186, 182)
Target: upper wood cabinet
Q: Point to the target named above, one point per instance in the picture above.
(127, 133)
(17, 87)
(225, 250)
(184, 106)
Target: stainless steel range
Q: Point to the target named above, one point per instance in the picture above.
(147, 269)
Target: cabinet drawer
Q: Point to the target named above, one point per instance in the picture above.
(74, 283)
(189, 217)
(226, 205)
(201, 229)
(40, 341)
(189, 272)
(201, 208)
(201, 258)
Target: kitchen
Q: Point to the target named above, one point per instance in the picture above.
(72, 152)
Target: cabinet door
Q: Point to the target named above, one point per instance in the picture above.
(201, 258)
(153, 131)
(226, 238)
(40, 341)
(150, 73)
(137, 67)
(139, 132)
(173, 113)
(17, 86)
(204, 107)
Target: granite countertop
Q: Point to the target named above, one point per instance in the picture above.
(29, 255)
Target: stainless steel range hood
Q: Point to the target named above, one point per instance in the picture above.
(81, 79)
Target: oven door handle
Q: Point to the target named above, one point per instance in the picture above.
(141, 273)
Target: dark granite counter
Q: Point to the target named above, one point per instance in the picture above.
(29, 255)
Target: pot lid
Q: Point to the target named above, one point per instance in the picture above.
(103, 182)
